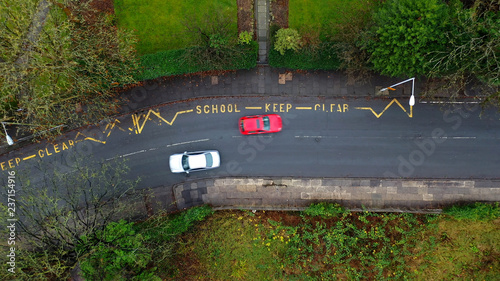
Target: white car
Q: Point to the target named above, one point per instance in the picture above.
(194, 161)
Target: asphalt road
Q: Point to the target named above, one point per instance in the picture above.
(320, 138)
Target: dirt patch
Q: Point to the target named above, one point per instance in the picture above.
(279, 13)
(245, 15)
(105, 6)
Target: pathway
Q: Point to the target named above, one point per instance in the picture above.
(262, 16)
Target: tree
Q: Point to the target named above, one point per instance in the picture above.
(348, 41)
(472, 49)
(63, 211)
(67, 73)
(405, 32)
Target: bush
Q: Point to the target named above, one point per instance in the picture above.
(474, 212)
(175, 62)
(119, 253)
(406, 32)
(325, 210)
(321, 57)
(245, 37)
(287, 39)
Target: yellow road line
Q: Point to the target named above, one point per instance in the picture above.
(29, 157)
(389, 105)
(253, 107)
(304, 107)
(87, 138)
(139, 127)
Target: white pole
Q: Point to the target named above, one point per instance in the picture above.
(9, 139)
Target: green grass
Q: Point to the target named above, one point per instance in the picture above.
(323, 15)
(463, 249)
(240, 245)
(158, 23)
(229, 246)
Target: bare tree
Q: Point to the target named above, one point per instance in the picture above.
(61, 206)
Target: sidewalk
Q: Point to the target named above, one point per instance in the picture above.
(260, 81)
(278, 193)
(354, 193)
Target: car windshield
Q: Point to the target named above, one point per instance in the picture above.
(267, 127)
(210, 160)
(185, 164)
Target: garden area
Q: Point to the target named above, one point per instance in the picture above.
(323, 242)
(326, 242)
(179, 37)
(319, 29)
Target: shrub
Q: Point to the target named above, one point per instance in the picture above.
(245, 37)
(405, 32)
(323, 56)
(175, 62)
(287, 39)
(325, 210)
(118, 253)
(474, 212)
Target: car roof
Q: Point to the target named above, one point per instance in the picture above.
(197, 161)
(253, 124)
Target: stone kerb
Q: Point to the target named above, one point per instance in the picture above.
(353, 193)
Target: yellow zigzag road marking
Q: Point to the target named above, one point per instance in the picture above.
(138, 127)
(389, 105)
(87, 138)
(111, 126)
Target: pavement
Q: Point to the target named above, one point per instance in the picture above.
(260, 81)
(278, 193)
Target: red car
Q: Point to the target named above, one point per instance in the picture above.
(260, 124)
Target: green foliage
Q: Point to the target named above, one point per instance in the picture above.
(473, 46)
(323, 57)
(325, 210)
(162, 229)
(287, 39)
(116, 252)
(366, 239)
(175, 62)
(245, 37)
(475, 212)
(406, 32)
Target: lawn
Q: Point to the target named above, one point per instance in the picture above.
(159, 24)
(323, 15)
